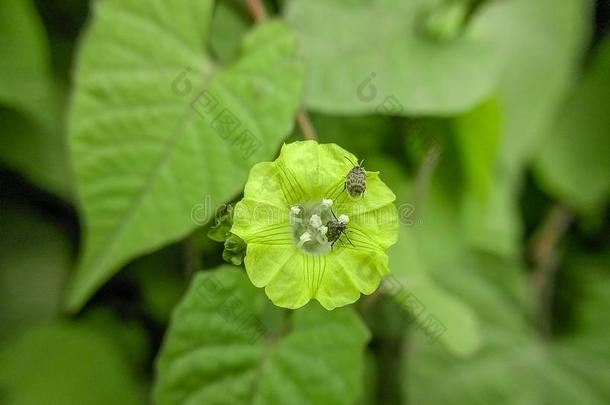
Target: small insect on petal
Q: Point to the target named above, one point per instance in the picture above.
(355, 181)
(344, 219)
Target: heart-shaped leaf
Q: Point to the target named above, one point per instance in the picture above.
(375, 56)
(159, 134)
(219, 350)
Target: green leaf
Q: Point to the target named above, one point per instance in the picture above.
(35, 256)
(148, 150)
(513, 366)
(40, 155)
(429, 241)
(574, 159)
(439, 314)
(32, 140)
(501, 370)
(542, 41)
(490, 212)
(477, 134)
(358, 53)
(584, 350)
(26, 82)
(69, 364)
(218, 351)
(371, 130)
(161, 280)
(229, 26)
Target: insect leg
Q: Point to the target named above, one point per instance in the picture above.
(350, 242)
(334, 216)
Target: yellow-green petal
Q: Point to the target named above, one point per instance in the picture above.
(313, 170)
(278, 200)
(264, 184)
(258, 222)
(376, 196)
(354, 272)
(263, 262)
(378, 227)
(282, 273)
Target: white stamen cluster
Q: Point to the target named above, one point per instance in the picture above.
(315, 221)
(309, 225)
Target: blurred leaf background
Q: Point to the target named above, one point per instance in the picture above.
(488, 118)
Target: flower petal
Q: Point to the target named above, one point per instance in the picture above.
(378, 227)
(304, 173)
(282, 271)
(377, 195)
(353, 272)
(258, 222)
(264, 184)
(313, 169)
(263, 262)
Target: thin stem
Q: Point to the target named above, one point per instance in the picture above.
(192, 254)
(307, 128)
(257, 10)
(544, 254)
(424, 174)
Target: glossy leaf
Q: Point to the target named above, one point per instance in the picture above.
(32, 139)
(576, 152)
(70, 364)
(35, 259)
(380, 50)
(218, 350)
(160, 135)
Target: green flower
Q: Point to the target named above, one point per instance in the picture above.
(290, 210)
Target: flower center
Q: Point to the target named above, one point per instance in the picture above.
(310, 226)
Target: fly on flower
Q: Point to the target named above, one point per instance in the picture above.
(336, 228)
(290, 230)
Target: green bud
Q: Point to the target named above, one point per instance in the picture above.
(235, 250)
(221, 230)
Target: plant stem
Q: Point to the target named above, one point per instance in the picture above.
(257, 10)
(307, 128)
(424, 175)
(544, 254)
